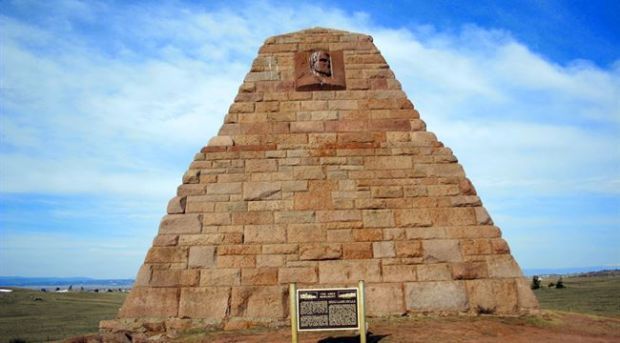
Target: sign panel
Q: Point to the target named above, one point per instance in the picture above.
(327, 309)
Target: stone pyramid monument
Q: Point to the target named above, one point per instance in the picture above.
(322, 174)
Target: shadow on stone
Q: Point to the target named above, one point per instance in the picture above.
(370, 338)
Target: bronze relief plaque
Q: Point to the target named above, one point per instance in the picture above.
(319, 70)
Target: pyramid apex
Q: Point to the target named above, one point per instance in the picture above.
(297, 36)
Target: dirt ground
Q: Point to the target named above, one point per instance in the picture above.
(549, 326)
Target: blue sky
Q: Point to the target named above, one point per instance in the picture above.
(103, 105)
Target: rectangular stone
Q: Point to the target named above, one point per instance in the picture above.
(261, 165)
(308, 173)
(264, 234)
(469, 270)
(363, 235)
(349, 271)
(408, 248)
(259, 276)
(270, 260)
(307, 126)
(355, 251)
(389, 162)
(338, 216)
(193, 300)
(151, 302)
(385, 300)
(436, 296)
(220, 277)
(166, 255)
(252, 218)
(492, 296)
(383, 249)
(201, 257)
(434, 272)
(399, 273)
(294, 217)
(306, 233)
(224, 188)
(262, 191)
(378, 218)
(298, 275)
(174, 278)
(280, 248)
(216, 218)
(180, 223)
(320, 251)
(259, 302)
(239, 249)
(236, 261)
(413, 218)
(444, 250)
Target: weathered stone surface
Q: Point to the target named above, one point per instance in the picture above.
(492, 296)
(385, 299)
(201, 257)
(347, 271)
(260, 302)
(320, 251)
(204, 302)
(181, 223)
(150, 302)
(323, 187)
(449, 296)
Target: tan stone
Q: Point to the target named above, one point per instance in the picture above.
(503, 266)
(384, 300)
(270, 260)
(338, 216)
(492, 296)
(413, 218)
(204, 302)
(174, 278)
(434, 272)
(346, 271)
(362, 235)
(306, 233)
(236, 261)
(220, 277)
(261, 165)
(387, 192)
(166, 255)
(442, 250)
(259, 276)
(298, 275)
(264, 234)
(320, 251)
(151, 302)
(176, 205)
(378, 218)
(383, 249)
(260, 302)
(216, 219)
(526, 298)
(181, 223)
(262, 191)
(449, 296)
(165, 240)
(408, 248)
(201, 257)
(280, 248)
(224, 188)
(469, 270)
(252, 218)
(221, 141)
(399, 273)
(361, 250)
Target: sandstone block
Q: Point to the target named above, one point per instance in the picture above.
(221, 141)
(503, 266)
(338, 216)
(297, 274)
(174, 278)
(294, 217)
(144, 276)
(307, 126)
(365, 235)
(482, 216)
(399, 273)
(165, 240)
(260, 302)
(385, 299)
(239, 249)
(280, 248)
(176, 205)
(442, 250)
(252, 218)
(476, 247)
(387, 192)
(166, 255)
(180, 223)
(499, 246)
(383, 249)
(353, 251)
(236, 261)
(270, 260)
(306, 233)
(261, 165)
(413, 218)
(220, 277)
(204, 302)
(348, 271)
(449, 296)
(224, 188)
(320, 251)
(151, 302)
(526, 298)
(262, 191)
(408, 248)
(201, 257)
(434, 272)
(378, 218)
(259, 276)
(394, 234)
(308, 173)
(264, 234)
(389, 162)
(339, 235)
(469, 270)
(492, 296)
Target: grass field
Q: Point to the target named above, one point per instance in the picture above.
(598, 295)
(55, 316)
(62, 315)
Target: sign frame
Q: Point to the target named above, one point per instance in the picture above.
(360, 309)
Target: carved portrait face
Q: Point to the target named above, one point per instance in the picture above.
(320, 63)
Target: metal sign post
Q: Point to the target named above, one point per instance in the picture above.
(327, 309)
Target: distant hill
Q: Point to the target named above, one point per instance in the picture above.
(565, 271)
(607, 272)
(19, 281)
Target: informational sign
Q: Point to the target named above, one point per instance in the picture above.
(327, 309)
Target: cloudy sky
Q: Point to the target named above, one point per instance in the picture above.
(103, 105)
